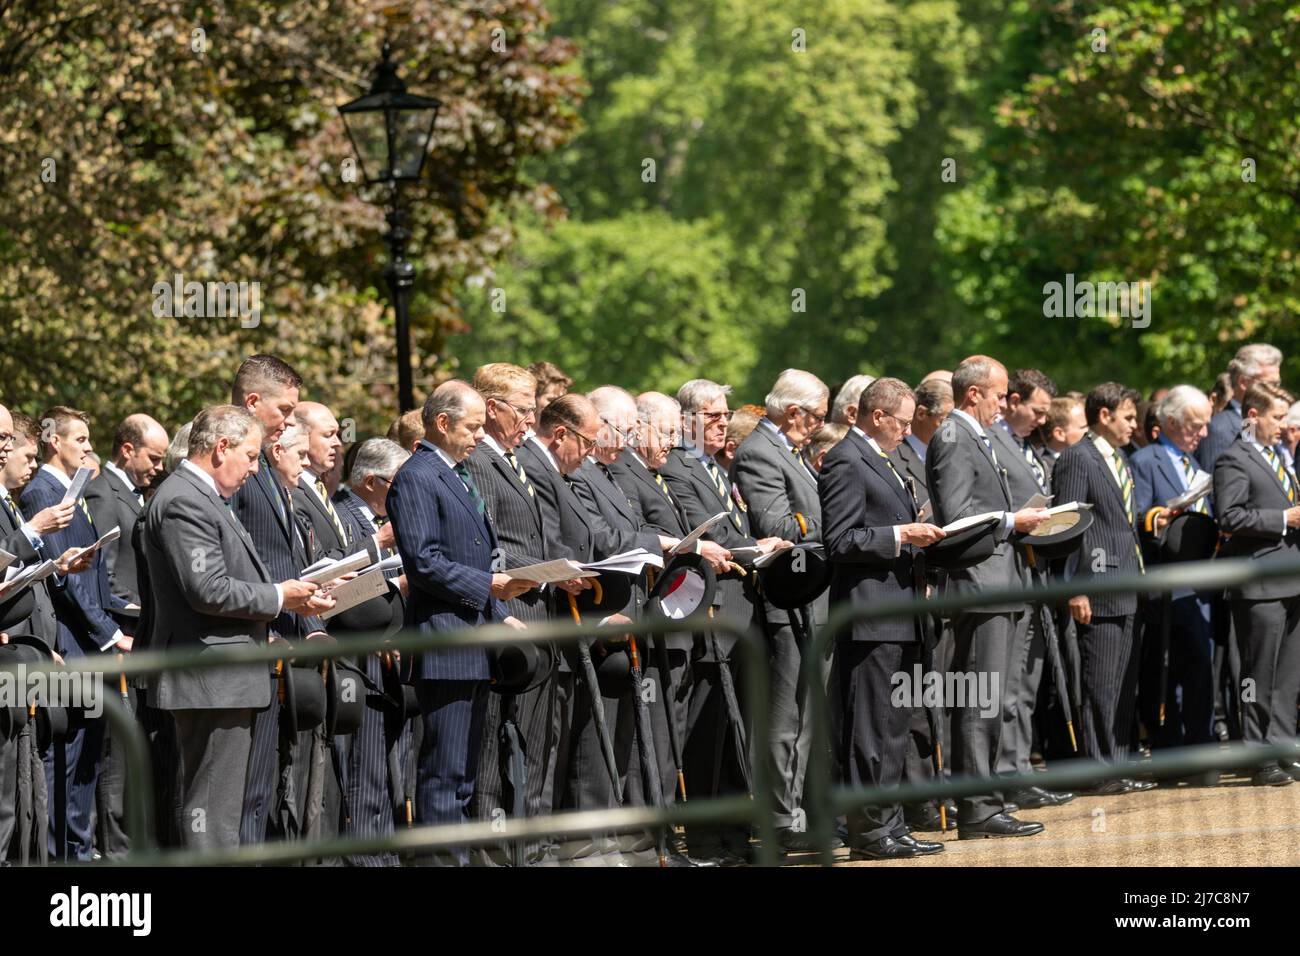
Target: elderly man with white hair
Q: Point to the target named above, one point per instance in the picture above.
(781, 492)
(1257, 362)
(1162, 471)
(845, 408)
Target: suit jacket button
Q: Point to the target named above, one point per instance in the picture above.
(477, 541)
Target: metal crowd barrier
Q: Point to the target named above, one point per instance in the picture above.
(824, 801)
(138, 796)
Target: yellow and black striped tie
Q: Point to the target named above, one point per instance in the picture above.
(721, 484)
(662, 485)
(329, 510)
(1125, 483)
(1279, 469)
(1199, 506)
(522, 475)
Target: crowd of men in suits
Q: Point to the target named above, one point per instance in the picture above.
(220, 524)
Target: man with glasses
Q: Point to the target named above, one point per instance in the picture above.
(781, 492)
(967, 478)
(510, 494)
(703, 489)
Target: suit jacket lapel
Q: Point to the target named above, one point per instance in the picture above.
(1167, 466)
(265, 482)
(240, 531)
(788, 460)
(1110, 482)
(1257, 456)
(458, 489)
(123, 492)
(877, 464)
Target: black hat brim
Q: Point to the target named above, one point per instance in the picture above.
(965, 548)
(787, 587)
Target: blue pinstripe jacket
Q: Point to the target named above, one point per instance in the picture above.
(446, 548)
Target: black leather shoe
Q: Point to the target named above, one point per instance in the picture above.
(1291, 767)
(999, 825)
(796, 841)
(925, 820)
(1271, 776)
(886, 848)
(675, 859)
(1111, 788)
(1138, 786)
(1036, 797)
(923, 847)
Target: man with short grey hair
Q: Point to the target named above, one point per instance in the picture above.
(845, 409)
(210, 592)
(781, 492)
(1256, 362)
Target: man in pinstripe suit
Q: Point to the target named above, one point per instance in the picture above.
(515, 511)
(447, 546)
(1097, 471)
(267, 388)
(312, 500)
(370, 757)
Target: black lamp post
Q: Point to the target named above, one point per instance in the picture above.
(390, 130)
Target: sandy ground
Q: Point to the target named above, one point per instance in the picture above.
(1233, 824)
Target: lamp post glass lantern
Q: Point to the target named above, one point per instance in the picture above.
(390, 130)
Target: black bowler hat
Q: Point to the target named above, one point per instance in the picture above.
(21, 649)
(965, 548)
(303, 690)
(345, 698)
(1057, 537)
(1190, 536)
(795, 577)
(15, 610)
(517, 668)
(609, 594)
(405, 703)
(684, 587)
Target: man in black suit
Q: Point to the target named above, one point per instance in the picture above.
(115, 498)
(512, 503)
(85, 608)
(211, 592)
(1257, 500)
(966, 478)
(267, 388)
(567, 432)
(659, 423)
(703, 490)
(1096, 471)
(1029, 399)
(373, 783)
(872, 539)
(312, 498)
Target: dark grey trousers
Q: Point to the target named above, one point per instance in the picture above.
(214, 747)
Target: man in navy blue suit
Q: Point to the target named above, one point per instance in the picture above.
(1163, 470)
(447, 544)
(83, 608)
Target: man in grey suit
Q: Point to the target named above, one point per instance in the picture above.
(1257, 500)
(1029, 400)
(211, 591)
(966, 478)
(781, 492)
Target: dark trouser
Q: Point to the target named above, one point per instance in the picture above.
(110, 812)
(79, 755)
(452, 713)
(921, 735)
(263, 773)
(676, 689)
(8, 794)
(874, 747)
(982, 646)
(1024, 675)
(712, 761)
(1108, 658)
(214, 747)
(160, 736)
(1189, 687)
(370, 797)
(1227, 666)
(534, 715)
(1269, 634)
(791, 724)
